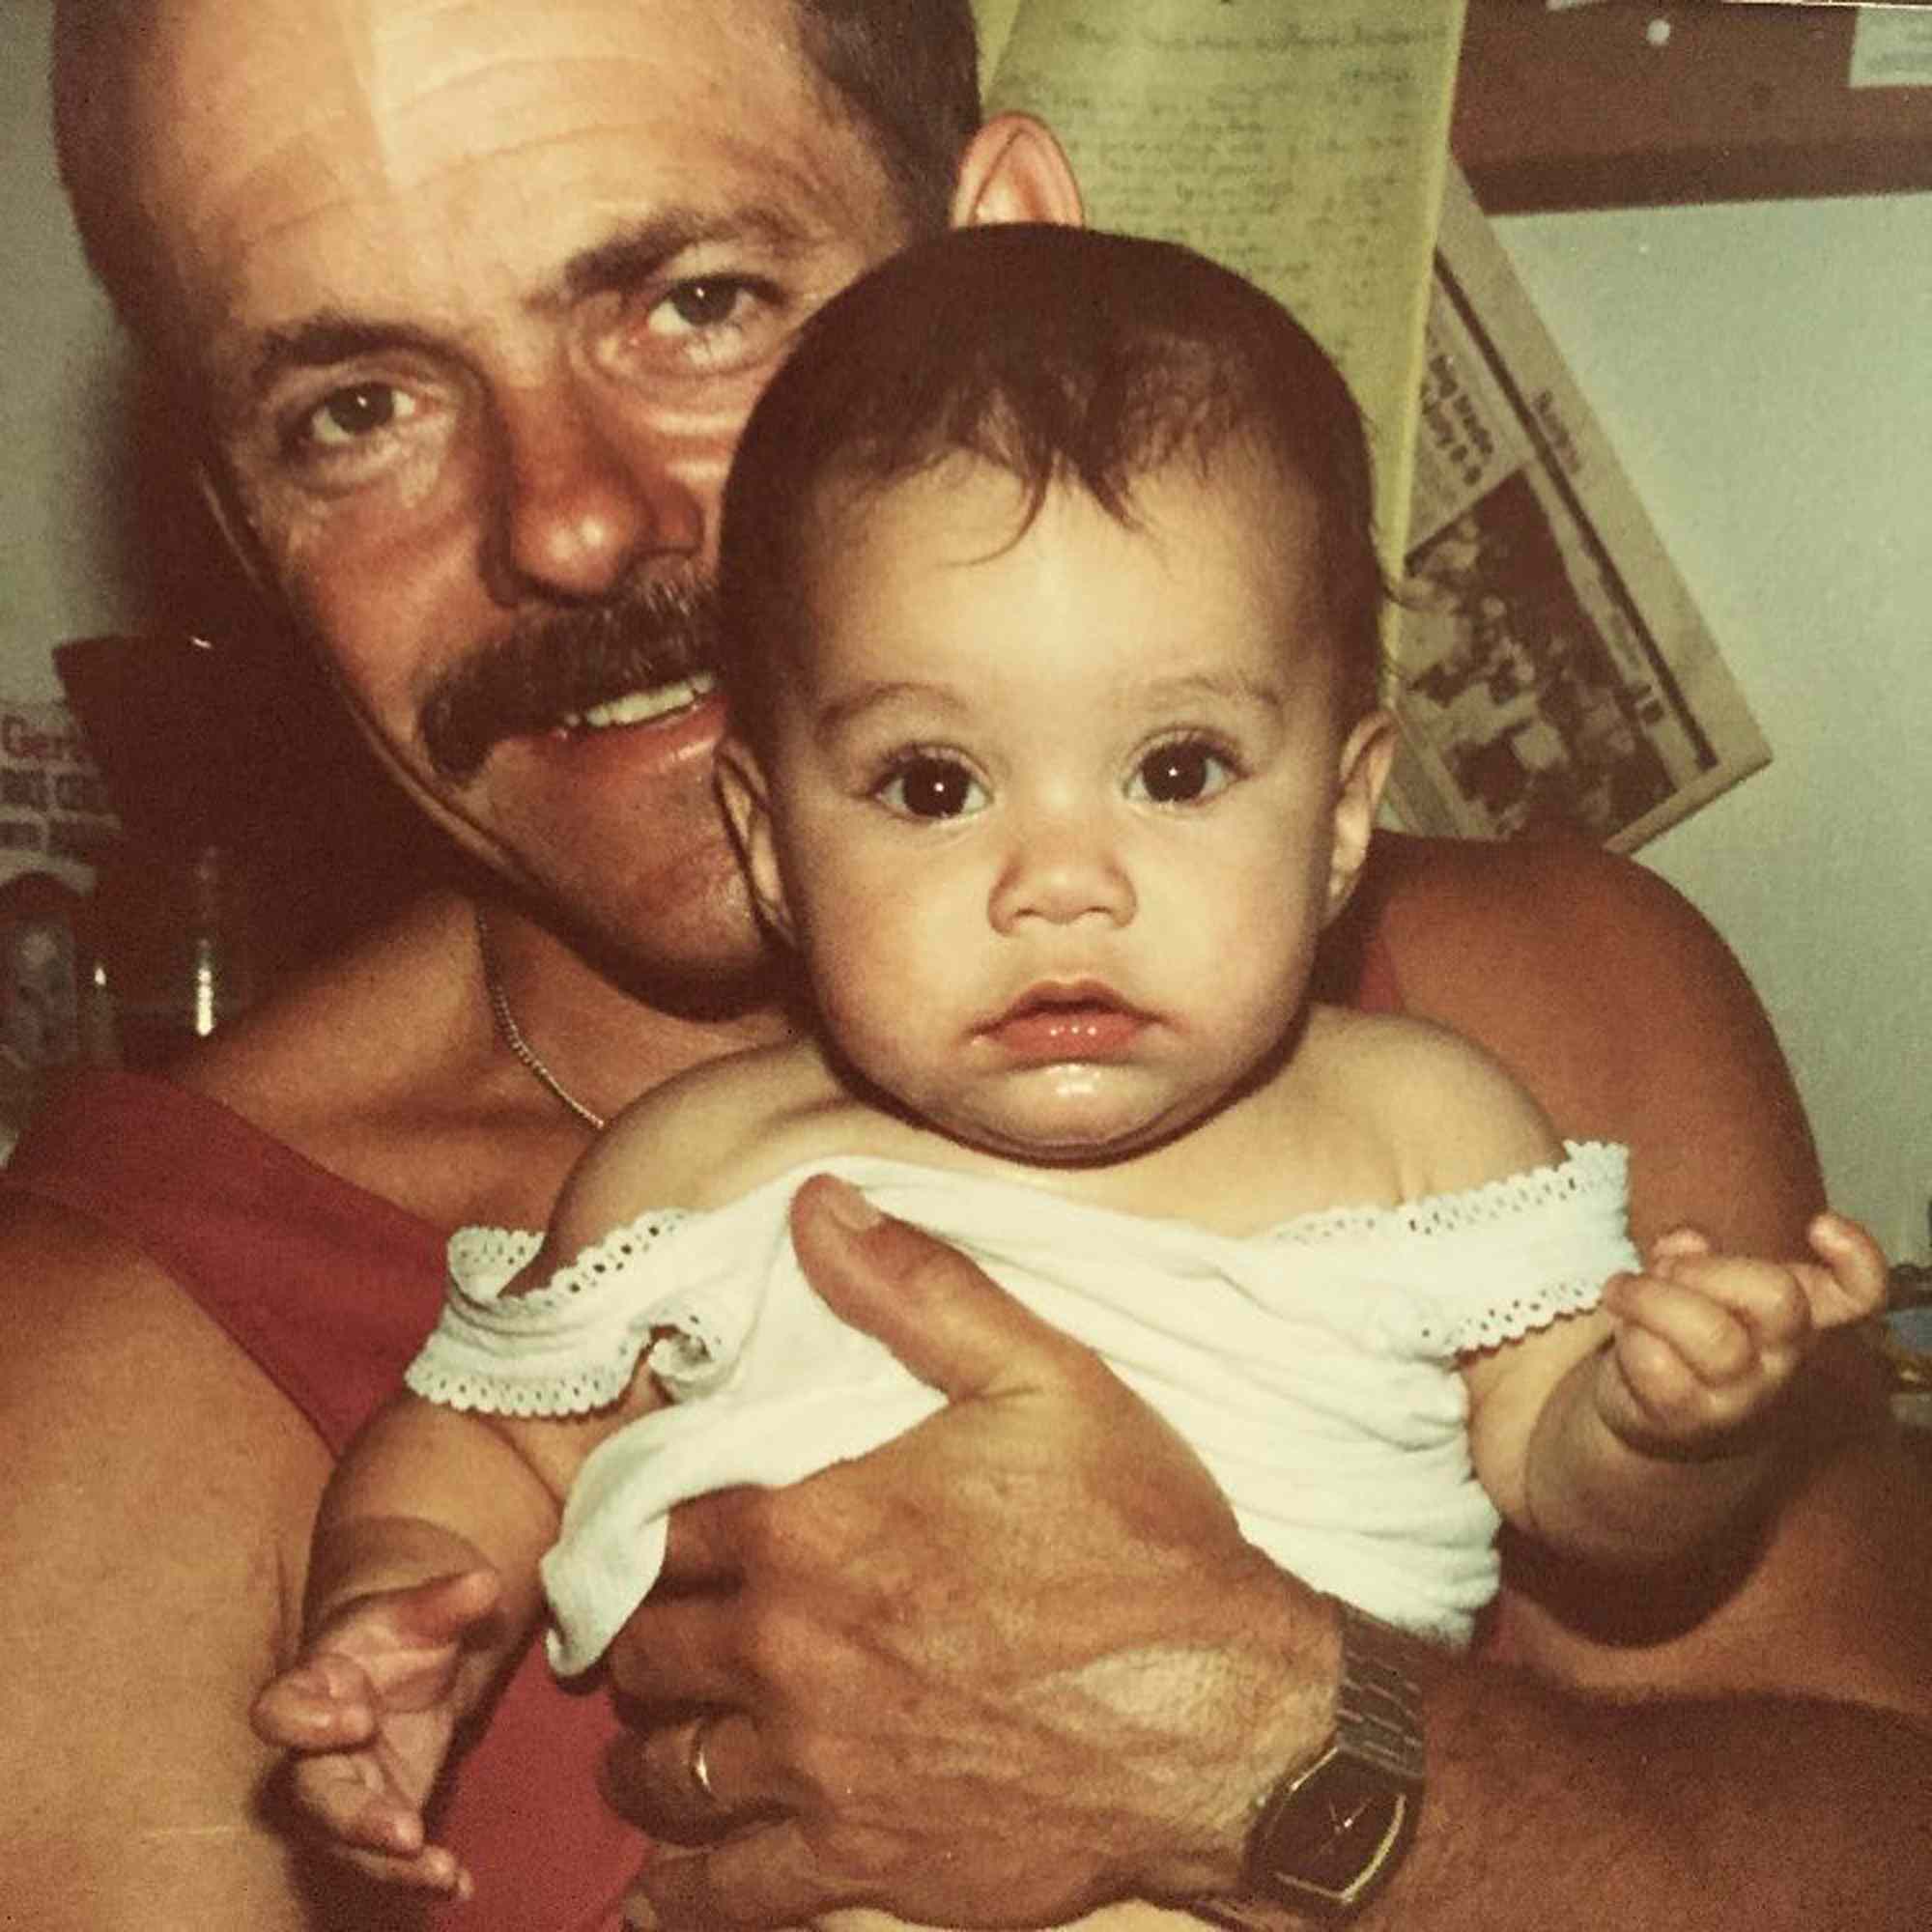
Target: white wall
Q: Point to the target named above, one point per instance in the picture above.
(1766, 372)
(61, 367)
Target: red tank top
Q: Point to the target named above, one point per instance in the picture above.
(330, 1290)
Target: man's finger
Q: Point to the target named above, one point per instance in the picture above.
(651, 1776)
(951, 1325)
(702, 1545)
(681, 1651)
(765, 1876)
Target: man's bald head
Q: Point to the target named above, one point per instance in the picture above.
(904, 71)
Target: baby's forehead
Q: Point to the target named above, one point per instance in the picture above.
(1240, 484)
(1222, 557)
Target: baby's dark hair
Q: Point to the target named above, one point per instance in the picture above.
(1059, 354)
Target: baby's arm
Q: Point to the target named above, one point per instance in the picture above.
(423, 1584)
(1639, 1434)
(424, 1570)
(422, 1588)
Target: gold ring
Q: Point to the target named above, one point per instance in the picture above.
(697, 1763)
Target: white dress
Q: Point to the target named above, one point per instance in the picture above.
(1312, 1366)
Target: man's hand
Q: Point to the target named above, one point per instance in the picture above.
(367, 1714)
(1016, 1663)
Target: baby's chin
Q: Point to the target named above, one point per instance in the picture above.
(1078, 1138)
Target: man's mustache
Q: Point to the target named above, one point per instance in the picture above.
(562, 663)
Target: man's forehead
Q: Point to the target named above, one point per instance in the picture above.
(338, 147)
(401, 90)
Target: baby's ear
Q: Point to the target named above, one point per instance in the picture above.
(1360, 774)
(743, 793)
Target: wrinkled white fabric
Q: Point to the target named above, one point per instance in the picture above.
(1312, 1367)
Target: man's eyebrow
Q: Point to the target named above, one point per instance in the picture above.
(633, 255)
(321, 340)
(642, 249)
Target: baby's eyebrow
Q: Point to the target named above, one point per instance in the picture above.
(854, 706)
(1227, 690)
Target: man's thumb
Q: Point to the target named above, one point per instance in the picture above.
(944, 1316)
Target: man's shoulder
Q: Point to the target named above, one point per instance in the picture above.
(1619, 1007)
(1427, 895)
(1496, 939)
(348, 1031)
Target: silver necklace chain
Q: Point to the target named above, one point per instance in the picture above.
(512, 1035)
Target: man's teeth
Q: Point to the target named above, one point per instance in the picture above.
(639, 707)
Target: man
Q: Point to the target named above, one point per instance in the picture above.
(471, 302)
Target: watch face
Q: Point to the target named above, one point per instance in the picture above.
(1334, 1836)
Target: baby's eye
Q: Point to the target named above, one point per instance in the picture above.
(928, 785)
(1182, 772)
(353, 415)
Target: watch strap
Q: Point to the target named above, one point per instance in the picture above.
(1328, 1837)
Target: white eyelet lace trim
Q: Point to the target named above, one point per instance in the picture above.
(1510, 1321)
(1454, 1273)
(525, 1354)
(1590, 1168)
(1561, 1227)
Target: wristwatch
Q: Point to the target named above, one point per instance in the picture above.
(1328, 1837)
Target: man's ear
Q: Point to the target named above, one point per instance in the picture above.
(1015, 170)
(1360, 773)
(741, 790)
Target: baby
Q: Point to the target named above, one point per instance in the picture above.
(1052, 611)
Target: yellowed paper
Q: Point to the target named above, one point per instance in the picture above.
(995, 19)
(1301, 142)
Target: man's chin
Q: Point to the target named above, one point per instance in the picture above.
(726, 975)
(719, 997)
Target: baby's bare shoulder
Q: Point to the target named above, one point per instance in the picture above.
(701, 1139)
(1451, 1113)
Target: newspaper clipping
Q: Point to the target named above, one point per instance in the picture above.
(1551, 669)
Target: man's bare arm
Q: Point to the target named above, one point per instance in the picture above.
(1756, 1813)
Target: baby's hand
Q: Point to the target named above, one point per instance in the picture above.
(1706, 1343)
(366, 1715)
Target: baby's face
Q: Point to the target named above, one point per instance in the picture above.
(1054, 821)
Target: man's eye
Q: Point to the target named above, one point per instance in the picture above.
(353, 415)
(706, 302)
(932, 788)
(1181, 773)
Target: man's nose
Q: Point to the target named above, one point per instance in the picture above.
(1063, 867)
(583, 507)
